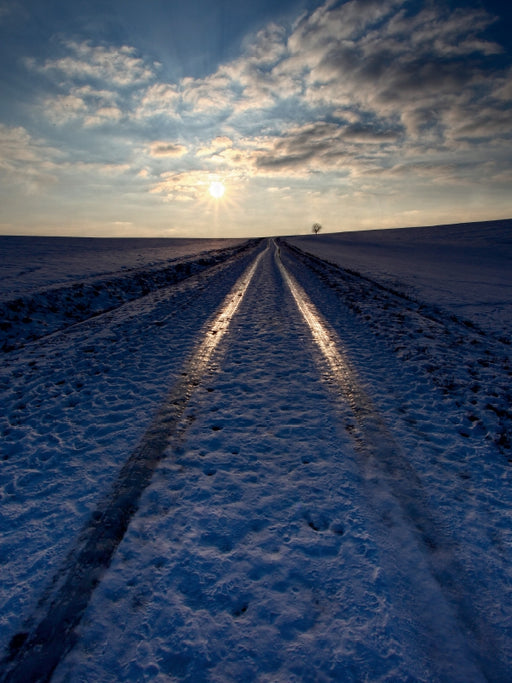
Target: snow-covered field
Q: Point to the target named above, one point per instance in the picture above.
(276, 461)
(462, 268)
(48, 283)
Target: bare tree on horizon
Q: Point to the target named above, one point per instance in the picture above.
(316, 228)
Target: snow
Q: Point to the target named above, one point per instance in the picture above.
(334, 510)
(32, 263)
(69, 280)
(462, 268)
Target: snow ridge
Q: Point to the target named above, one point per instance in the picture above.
(40, 313)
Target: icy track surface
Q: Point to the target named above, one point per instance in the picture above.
(272, 470)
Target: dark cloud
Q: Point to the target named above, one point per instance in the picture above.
(322, 145)
(366, 134)
(300, 147)
(487, 124)
(167, 149)
(426, 55)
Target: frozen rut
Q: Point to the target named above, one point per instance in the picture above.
(269, 526)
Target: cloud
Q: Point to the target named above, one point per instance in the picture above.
(108, 170)
(485, 123)
(208, 94)
(193, 185)
(300, 147)
(33, 166)
(434, 172)
(301, 150)
(183, 186)
(24, 160)
(117, 66)
(104, 115)
(502, 177)
(503, 87)
(64, 108)
(85, 106)
(396, 71)
(381, 58)
(166, 149)
(260, 82)
(378, 58)
(160, 99)
(268, 47)
(439, 31)
(403, 61)
(216, 146)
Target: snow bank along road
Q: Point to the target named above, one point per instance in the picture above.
(272, 470)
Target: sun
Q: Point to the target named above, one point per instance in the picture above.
(216, 189)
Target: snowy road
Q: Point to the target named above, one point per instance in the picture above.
(299, 503)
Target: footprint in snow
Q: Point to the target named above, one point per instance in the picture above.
(319, 522)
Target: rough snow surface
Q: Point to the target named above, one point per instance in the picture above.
(465, 269)
(80, 278)
(33, 263)
(334, 501)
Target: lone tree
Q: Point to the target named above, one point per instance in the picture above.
(316, 228)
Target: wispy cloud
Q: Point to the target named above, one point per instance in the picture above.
(159, 100)
(209, 95)
(218, 145)
(25, 160)
(85, 62)
(186, 186)
(84, 106)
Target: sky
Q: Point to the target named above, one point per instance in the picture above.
(124, 117)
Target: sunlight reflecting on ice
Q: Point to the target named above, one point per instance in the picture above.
(223, 319)
(329, 348)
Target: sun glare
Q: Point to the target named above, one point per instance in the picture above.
(217, 189)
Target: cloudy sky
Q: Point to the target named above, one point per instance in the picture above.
(116, 116)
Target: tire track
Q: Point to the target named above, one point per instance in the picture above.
(385, 466)
(421, 333)
(36, 652)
